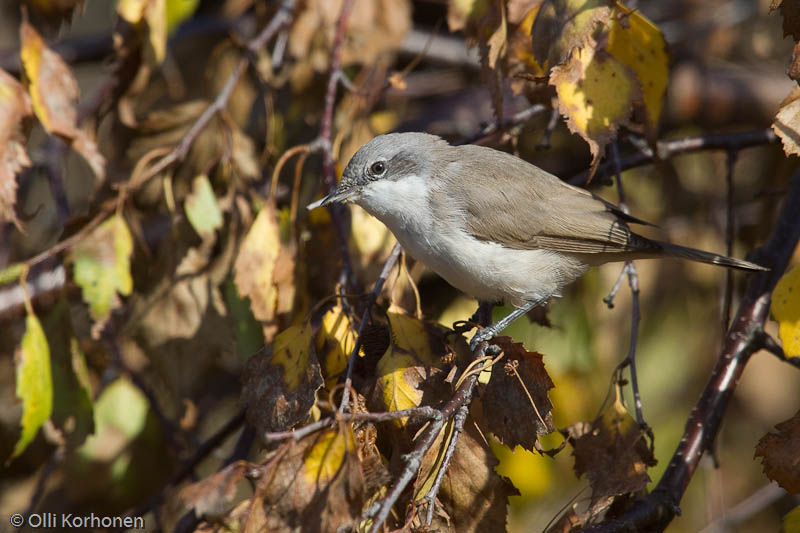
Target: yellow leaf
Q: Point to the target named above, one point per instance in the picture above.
(335, 342)
(596, 93)
(178, 11)
(324, 459)
(54, 94)
(786, 310)
(412, 335)
(791, 522)
(292, 351)
(638, 43)
(255, 264)
(398, 377)
(34, 382)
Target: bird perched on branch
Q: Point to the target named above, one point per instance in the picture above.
(494, 226)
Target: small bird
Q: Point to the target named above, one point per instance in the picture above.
(491, 224)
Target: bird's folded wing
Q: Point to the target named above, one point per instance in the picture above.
(536, 210)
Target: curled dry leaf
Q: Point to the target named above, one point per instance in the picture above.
(54, 93)
(516, 380)
(279, 382)
(779, 453)
(15, 105)
(264, 270)
(787, 123)
(612, 452)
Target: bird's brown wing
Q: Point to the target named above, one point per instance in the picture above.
(534, 209)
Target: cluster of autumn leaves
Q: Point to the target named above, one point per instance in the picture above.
(263, 266)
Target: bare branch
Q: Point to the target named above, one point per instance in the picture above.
(745, 337)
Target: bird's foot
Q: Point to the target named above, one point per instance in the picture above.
(485, 334)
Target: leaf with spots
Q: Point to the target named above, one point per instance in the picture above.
(612, 452)
(515, 399)
(279, 382)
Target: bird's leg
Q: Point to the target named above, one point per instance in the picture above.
(492, 331)
(483, 315)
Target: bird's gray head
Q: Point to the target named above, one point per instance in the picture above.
(387, 157)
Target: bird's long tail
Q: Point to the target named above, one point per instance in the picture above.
(683, 252)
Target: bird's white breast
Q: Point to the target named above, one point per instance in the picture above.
(485, 270)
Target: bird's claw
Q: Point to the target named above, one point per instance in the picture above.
(483, 335)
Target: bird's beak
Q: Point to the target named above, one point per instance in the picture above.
(335, 197)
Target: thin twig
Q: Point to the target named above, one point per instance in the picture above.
(633, 282)
(745, 337)
(518, 118)
(387, 268)
(730, 222)
(281, 18)
(458, 426)
(380, 510)
(668, 149)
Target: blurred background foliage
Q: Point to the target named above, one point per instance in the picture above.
(181, 337)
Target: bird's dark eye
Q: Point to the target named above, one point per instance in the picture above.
(378, 168)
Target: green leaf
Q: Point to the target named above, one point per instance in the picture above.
(11, 273)
(34, 382)
(103, 267)
(202, 208)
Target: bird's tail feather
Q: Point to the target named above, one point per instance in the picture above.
(683, 252)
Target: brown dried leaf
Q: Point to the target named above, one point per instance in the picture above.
(787, 123)
(264, 270)
(779, 453)
(374, 28)
(316, 486)
(612, 452)
(790, 10)
(54, 94)
(517, 379)
(793, 70)
(473, 495)
(279, 382)
(15, 105)
(212, 495)
(183, 302)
